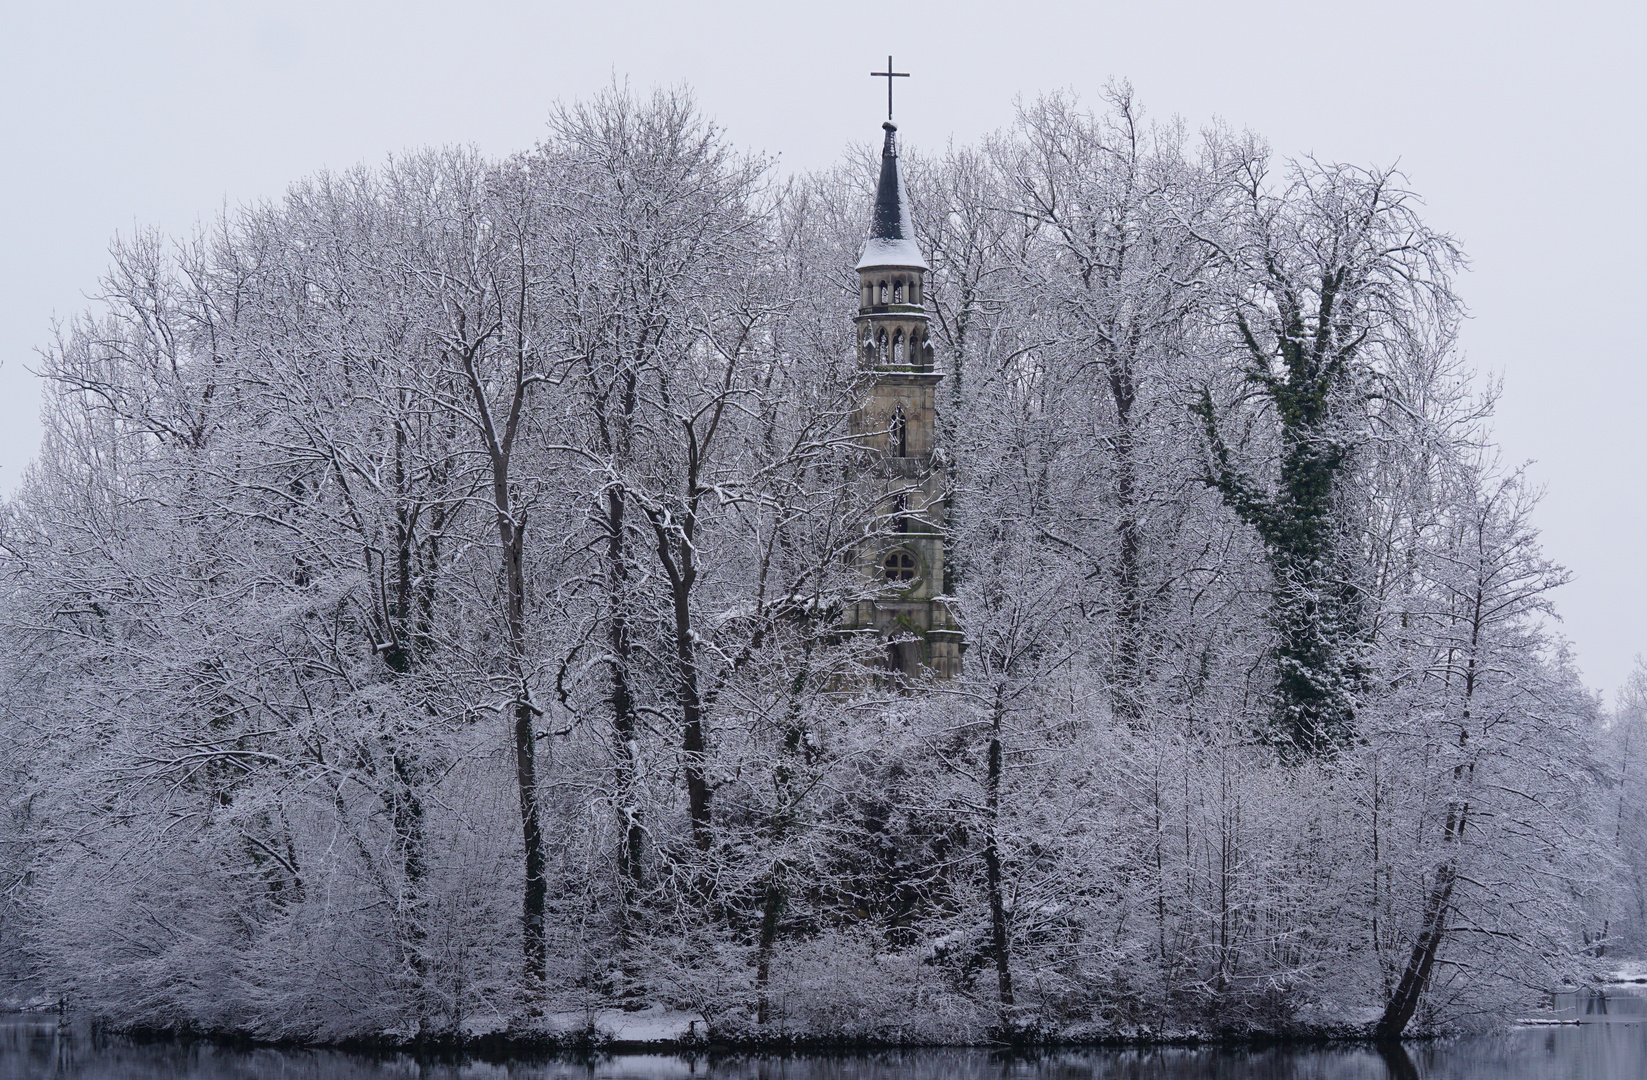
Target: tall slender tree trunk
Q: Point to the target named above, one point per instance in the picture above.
(679, 568)
(694, 759)
(1160, 870)
(1127, 661)
(1398, 1011)
(992, 855)
(677, 548)
(622, 699)
(771, 908)
(535, 898)
(1415, 977)
(499, 443)
(776, 893)
(408, 816)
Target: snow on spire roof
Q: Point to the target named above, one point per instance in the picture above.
(891, 235)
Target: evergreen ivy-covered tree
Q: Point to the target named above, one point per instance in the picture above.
(1334, 279)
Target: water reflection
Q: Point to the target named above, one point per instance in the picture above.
(33, 1047)
(1398, 1063)
(1620, 1001)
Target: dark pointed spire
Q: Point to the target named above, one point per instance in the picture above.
(891, 235)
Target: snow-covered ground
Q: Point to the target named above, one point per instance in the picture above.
(1630, 971)
(654, 1024)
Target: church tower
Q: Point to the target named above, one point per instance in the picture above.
(894, 421)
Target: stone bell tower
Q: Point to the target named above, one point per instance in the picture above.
(894, 421)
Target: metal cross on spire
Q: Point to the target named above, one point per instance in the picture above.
(889, 75)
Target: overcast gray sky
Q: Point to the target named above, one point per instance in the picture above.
(1520, 124)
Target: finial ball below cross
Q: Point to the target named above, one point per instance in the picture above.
(889, 75)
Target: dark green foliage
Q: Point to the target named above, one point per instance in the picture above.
(1315, 610)
(1331, 281)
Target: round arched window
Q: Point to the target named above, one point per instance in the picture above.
(899, 566)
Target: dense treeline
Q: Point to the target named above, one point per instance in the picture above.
(421, 616)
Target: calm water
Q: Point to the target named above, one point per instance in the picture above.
(33, 1047)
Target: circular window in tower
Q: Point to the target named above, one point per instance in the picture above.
(900, 566)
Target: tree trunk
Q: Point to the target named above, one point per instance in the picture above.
(1127, 661)
(771, 909)
(776, 894)
(1404, 1002)
(692, 741)
(512, 541)
(679, 566)
(535, 896)
(992, 858)
(630, 821)
(408, 816)
(1415, 978)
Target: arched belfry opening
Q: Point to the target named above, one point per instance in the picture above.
(894, 419)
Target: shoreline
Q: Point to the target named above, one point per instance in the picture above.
(592, 1043)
